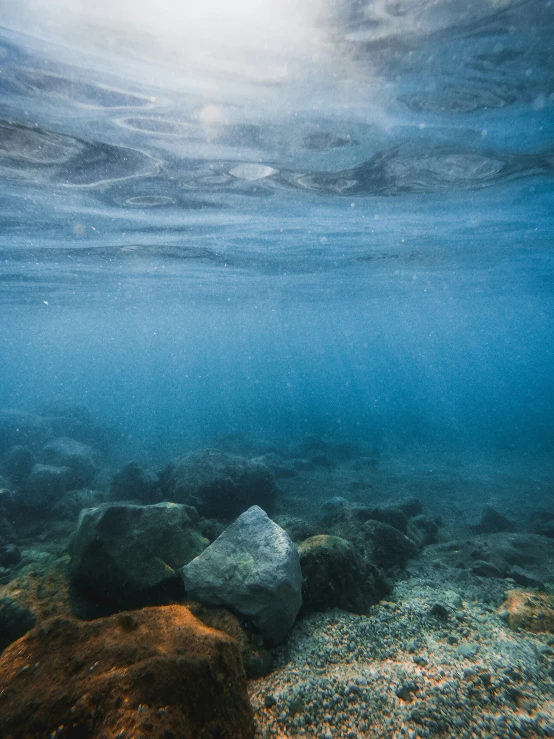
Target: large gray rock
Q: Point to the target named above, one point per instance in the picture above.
(253, 568)
(130, 556)
(79, 457)
(222, 485)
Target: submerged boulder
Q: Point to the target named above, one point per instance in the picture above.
(222, 485)
(334, 576)
(254, 569)
(130, 555)
(133, 482)
(79, 457)
(46, 484)
(157, 672)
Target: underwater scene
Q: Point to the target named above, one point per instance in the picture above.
(277, 369)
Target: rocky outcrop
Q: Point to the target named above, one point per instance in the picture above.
(254, 569)
(46, 484)
(130, 555)
(157, 672)
(222, 485)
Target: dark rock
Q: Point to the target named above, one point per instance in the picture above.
(384, 545)
(410, 507)
(389, 514)
(422, 530)
(253, 568)
(72, 503)
(222, 485)
(525, 578)
(15, 621)
(257, 660)
(297, 528)
(270, 700)
(9, 555)
(406, 691)
(542, 522)
(132, 482)
(157, 672)
(333, 576)
(79, 457)
(439, 610)
(8, 534)
(17, 463)
(495, 555)
(130, 556)
(46, 483)
(492, 522)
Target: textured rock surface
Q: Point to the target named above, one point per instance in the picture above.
(333, 576)
(528, 610)
(253, 568)
(157, 672)
(130, 555)
(15, 620)
(222, 485)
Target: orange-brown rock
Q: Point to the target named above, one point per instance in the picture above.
(528, 610)
(157, 672)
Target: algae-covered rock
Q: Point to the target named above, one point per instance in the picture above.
(130, 555)
(334, 576)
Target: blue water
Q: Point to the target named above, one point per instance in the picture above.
(339, 225)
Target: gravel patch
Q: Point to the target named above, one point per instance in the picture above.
(424, 664)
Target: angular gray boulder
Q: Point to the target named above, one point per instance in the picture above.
(129, 556)
(254, 569)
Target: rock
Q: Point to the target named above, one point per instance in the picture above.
(333, 576)
(410, 507)
(257, 660)
(297, 528)
(422, 530)
(281, 468)
(222, 485)
(495, 555)
(132, 482)
(528, 610)
(46, 483)
(385, 546)
(253, 568)
(17, 463)
(388, 514)
(542, 522)
(334, 509)
(22, 428)
(129, 555)
(79, 457)
(10, 555)
(525, 578)
(492, 522)
(15, 621)
(157, 672)
(72, 503)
